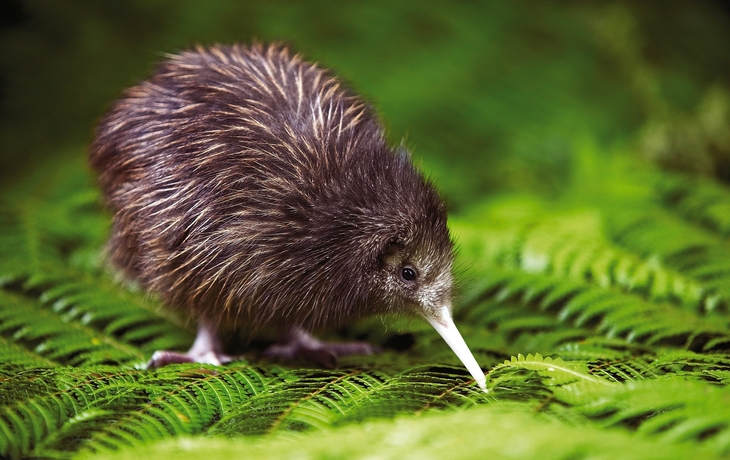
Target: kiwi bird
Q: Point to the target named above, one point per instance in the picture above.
(249, 187)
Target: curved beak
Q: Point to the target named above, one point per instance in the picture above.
(444, 325)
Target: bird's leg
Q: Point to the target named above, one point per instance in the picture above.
(297, 343)
(206, 349)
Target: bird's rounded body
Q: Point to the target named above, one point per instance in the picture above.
(249, 187)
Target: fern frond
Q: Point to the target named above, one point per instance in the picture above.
(609, 312)
(109, 308)
(698, 200)
(554, 370)
(183, 400)
(569, 382)
(324, 399)
(697, 253)
(71, 433)
(495, 431)
(24, 249)
(50, 221)
(496, 323)
(49, 335)
(672, 410)
(48, 400)
(573, 246)
(712, 367)
(13, 353)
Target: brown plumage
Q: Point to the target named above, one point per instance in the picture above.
(248, 187)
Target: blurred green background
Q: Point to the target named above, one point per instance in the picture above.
(491, 96)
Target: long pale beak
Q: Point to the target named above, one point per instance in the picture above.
(445, 326)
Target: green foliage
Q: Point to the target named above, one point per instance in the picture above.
(495, 431)
(592, 324)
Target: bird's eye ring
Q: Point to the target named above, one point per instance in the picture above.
(408, 273)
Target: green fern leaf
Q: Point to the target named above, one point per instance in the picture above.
(495, 431)
(673, 410)
(698, 200)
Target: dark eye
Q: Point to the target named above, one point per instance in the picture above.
(408, 273)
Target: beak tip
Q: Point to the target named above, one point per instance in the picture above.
(445, 326)
(483, 384)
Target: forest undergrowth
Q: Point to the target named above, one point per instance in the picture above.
(600, 318)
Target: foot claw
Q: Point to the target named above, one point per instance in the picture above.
(206, 350)
(163, 358)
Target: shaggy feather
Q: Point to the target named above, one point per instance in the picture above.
(249, 185)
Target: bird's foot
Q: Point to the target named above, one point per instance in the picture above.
(164, 357)
(299, 344)
(207, 349)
